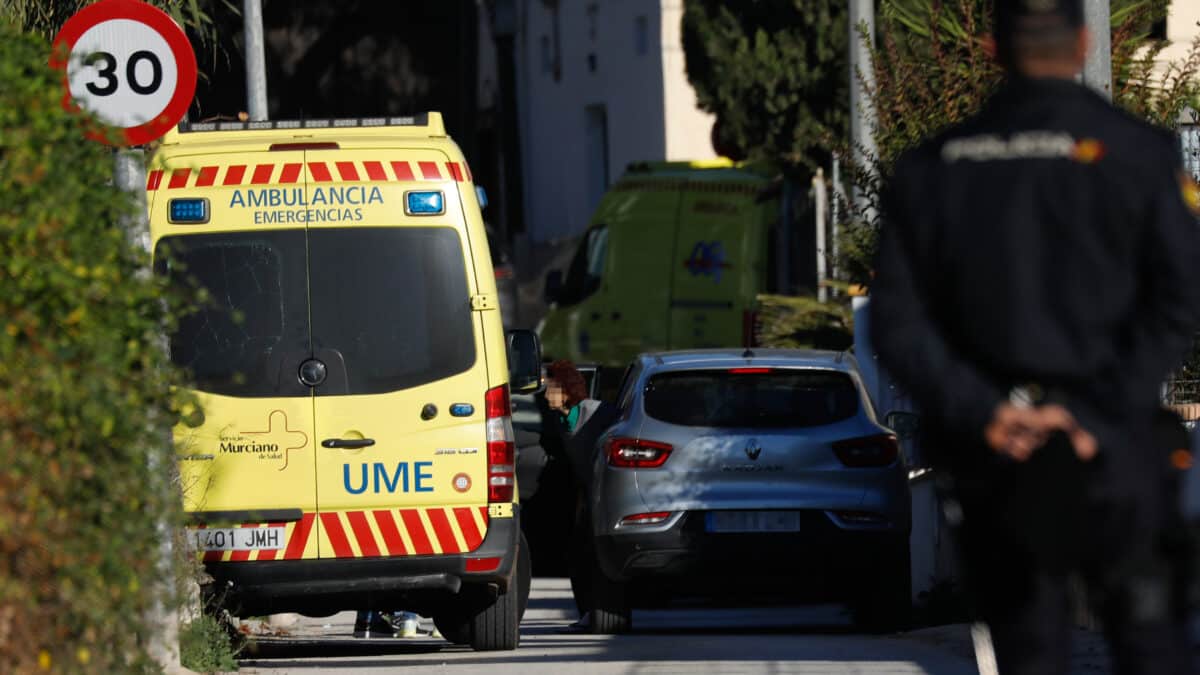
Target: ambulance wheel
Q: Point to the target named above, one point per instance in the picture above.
(497, 626)
(455, 629)
(524, 576)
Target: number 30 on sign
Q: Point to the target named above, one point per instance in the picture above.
(128, 63)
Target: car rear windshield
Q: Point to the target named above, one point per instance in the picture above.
(383, 308)
(782, 398)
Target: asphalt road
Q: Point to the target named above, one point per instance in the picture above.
(693, 640)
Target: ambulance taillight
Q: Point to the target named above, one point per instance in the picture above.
(501, 446)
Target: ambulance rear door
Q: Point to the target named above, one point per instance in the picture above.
(401, 454)
(717, 265)
(246, 455)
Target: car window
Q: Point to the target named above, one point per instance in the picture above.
(391, 304)
(587, 267)
(784, 398)
(249, 329)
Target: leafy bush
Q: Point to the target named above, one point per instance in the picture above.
(84, 393)
(205, 646)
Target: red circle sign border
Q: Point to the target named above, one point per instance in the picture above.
(162, 23)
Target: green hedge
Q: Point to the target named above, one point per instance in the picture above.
(84, 392)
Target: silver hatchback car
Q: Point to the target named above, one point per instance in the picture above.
(758, 476)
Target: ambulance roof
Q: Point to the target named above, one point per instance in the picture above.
(349, 132)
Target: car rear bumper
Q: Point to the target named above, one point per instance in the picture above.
(820, 560)
(323, 586)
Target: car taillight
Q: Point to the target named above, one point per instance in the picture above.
(646, 518)
(501, 448)
(504, 272)
(634, 453)
(867, 451)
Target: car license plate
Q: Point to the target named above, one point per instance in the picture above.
(238, 538)
(753, 521)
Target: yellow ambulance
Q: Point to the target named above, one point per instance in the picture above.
(354, 448)
(674, 257)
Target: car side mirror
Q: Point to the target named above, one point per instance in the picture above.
(905, 424)
(554, 284)
(524, 361)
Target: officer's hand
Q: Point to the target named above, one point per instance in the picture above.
(1017, 431)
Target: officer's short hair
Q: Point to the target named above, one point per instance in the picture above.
(1036, 29)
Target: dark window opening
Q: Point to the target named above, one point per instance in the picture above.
(587, 267)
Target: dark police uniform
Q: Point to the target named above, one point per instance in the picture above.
(1049, 246)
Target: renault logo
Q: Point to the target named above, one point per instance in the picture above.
(753, 449)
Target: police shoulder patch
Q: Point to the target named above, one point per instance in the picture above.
(1190, 192)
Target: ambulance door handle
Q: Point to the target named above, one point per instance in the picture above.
(349, 443)
(616, 316)
(595, 316)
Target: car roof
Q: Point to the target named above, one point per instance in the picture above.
(734, 358)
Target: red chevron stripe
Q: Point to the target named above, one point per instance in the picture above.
(262, 174)
(391, 535)
(484, 512)
(375, 171)
(291, 173)
(241, 555)
(179, 179)
(320, 172)
(455, 172)
(467, 168)
(208, 176)
(429, 170)
(299, 540)
(416, 532)
(362, 532)
(403, 171)
(213, 556)
(234, 174)
(466, 522)
(441, 527)
(154, 179)
(348, 171)
(337, 535)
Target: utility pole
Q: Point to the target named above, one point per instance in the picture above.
(862, 79)
(256, 62)
(1097, 72)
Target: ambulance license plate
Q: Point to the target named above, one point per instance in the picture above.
(238, 538)
(753, 521)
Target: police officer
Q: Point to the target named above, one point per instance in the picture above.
(1038, 277)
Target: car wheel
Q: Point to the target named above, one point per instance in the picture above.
(455, 629)
(883, 601)
(610, 611)
(497, 626)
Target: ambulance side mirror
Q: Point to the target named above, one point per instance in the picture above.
(554, 284)
(524, 361)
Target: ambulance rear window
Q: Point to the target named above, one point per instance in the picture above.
(249, 331)
(392, 303)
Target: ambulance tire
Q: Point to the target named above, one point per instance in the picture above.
(497, 626)
(524, 576)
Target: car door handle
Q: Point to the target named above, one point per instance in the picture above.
(347, 443)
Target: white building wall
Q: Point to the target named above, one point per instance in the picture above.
(689, 129)
(1182, 17)
(639, 78)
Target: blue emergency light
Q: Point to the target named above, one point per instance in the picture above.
(424, 203)
(188, 211)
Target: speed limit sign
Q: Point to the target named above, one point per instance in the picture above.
(128, 63)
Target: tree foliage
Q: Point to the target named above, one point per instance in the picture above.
(45, 17)
(773, 72)
(932, 69)
(84, 401)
